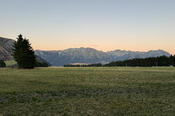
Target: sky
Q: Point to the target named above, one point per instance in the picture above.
(137, 25)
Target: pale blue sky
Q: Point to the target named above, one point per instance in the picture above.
(138, 25)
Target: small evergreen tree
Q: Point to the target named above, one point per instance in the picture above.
(2, 63)
(23, 53)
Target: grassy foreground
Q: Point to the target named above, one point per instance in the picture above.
(88, 91)
(10, 63)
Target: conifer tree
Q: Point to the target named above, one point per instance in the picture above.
(2, 63)
(23, 53)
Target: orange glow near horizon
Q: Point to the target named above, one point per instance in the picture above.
(103, 45)
(103, 49)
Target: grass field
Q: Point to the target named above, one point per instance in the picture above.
(10, 63)
(88, 91)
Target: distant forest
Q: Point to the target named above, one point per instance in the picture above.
(145, 62)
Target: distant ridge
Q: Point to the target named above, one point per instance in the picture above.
(91, 55)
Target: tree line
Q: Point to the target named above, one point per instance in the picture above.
(146, 62)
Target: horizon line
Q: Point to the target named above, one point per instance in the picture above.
(104, 50)
(95, 48)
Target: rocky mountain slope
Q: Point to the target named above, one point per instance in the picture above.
(6, 46)
(90, 55)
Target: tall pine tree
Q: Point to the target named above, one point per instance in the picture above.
(23, 53)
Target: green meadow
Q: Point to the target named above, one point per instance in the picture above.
(103, 91)
(10, 63)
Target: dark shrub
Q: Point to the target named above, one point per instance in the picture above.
(2, 63)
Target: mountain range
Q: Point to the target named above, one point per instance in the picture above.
(90, 55)
(78, 55)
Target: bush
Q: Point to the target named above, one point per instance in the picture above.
(2, 63)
